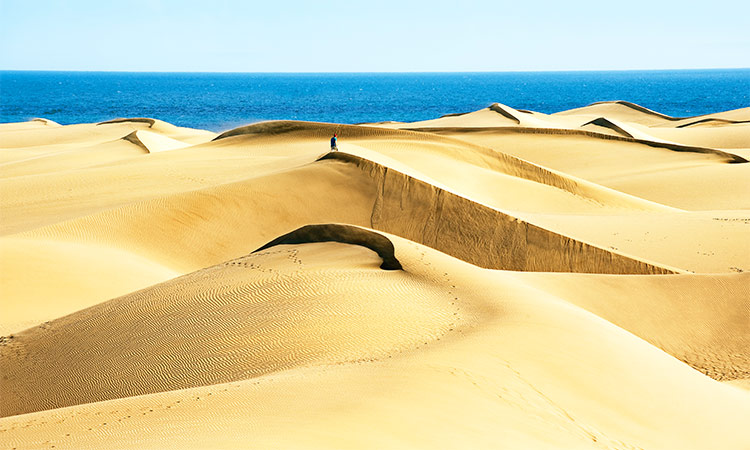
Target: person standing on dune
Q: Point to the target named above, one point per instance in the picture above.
(334, 141)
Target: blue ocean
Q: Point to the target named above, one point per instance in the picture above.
(220, 101)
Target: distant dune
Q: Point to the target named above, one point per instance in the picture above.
(493, 279)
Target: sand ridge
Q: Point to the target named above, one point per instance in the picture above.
(345, 234)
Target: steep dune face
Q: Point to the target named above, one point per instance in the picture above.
(165, 287)
(486, 237)
(468, 169)
(605, 123)
(152, 142)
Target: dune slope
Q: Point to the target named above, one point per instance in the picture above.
(445, 333)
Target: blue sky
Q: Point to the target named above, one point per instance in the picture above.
(372, 36)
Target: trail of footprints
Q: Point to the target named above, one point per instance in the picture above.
(120, 416)
(253, 263)
(286, 275)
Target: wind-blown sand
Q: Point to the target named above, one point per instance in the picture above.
(495, 279)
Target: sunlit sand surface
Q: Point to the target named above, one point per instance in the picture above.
(495, 279)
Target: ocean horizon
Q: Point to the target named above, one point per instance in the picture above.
(218, 101)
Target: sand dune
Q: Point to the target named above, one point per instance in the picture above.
(105, 131)
(625, 111)
(710, 121)
(493, 279)
(495, 115)
(712, 133)
(513, 244)
(699, 319)
(681, 179)
(55, 278)
(30, 125)
(205, 335)
(429, 345)
(602, 124)
(647, 125)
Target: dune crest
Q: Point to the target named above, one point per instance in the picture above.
(345, 234)
(712, 121)
(638, 108)
(606, 123)
(50, 123)
(505, 111)
(153, 143)
(147, 121)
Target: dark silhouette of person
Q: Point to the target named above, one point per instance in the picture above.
(334, 141)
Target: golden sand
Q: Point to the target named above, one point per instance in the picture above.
(574, 280)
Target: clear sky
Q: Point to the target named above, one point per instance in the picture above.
(372, 36)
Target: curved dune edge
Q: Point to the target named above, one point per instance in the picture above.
(628, 131)
(458, 226)
(439, 161)
(711, 120)
(639, 108)
(613, 119)
(146, 120)
(153, 142)
(606, 123)
(33, 136)
(47, 122)
(642, 109)
(345, 234)
(649, 117)
(156, 127)
(729, 157)
(505, 111)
